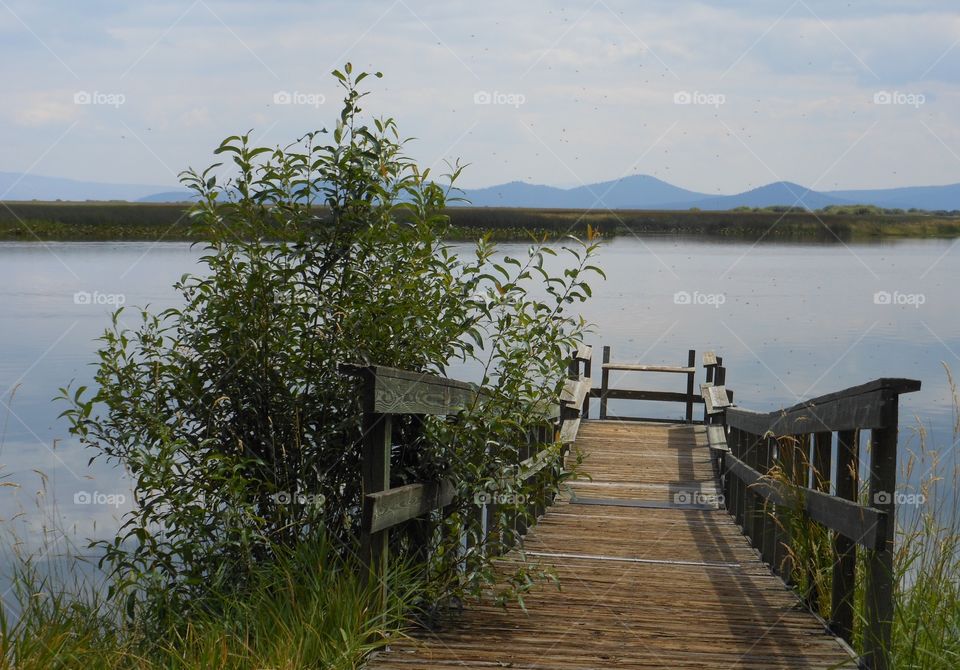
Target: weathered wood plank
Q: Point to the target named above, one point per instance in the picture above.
(864, 525)
(398, 391)
(864, 411)
(574, 391)
(656, 396)
(844, 549)
(433, 395)
(630, 367)
(647, 504)
(551, 410)
(584, 352)
(531, 466)
(715, 398)
(709, 358)
(717, 438)
(644, 585)
(878, 632)
(568, 431)
(691, 379)
(895, 384)
(392, 507)
(604, 383)
(860, 407)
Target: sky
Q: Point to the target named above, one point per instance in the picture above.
(714, 97)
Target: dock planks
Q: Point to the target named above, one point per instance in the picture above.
(653, 573)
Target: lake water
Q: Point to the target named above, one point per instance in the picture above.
(790, 320)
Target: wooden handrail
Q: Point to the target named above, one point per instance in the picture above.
(858, 407)
(864, 525)
(388, 392)
(605, 393)
(637, 367)
(786, 438)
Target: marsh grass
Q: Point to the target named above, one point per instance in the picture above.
(30, 221)
(309, 609)
(926, 627)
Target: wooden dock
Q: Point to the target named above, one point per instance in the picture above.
(675, 550)
(654, 573)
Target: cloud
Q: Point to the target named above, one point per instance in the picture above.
(42, 109)
(598, 81)
(198, 116)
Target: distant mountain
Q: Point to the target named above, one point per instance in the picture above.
(170, 196)
(633, 192)
(18, 186)
(778, 193)
(931, 197)
(646, 192)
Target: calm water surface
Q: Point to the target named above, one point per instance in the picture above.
(791, 321)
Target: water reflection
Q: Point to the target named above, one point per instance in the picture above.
(790, 320)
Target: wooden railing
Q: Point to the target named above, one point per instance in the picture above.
(715, 395)
(799, 442)
(389, 393)
(605, 392)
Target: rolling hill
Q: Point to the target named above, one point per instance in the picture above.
(632, 192)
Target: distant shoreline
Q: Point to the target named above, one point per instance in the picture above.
(122, 221)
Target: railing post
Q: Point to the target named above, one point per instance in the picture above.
(822, 447)
(587, 370)
(820, 481)
(496, 536)
(768, 528)
(844, 549)
(723, 467)
(781, 537)
(421, 529)
(755, 502)
(523, 453)
(739, 488)
(541, 477)
(375, 477)
(883, 490)
(691, 363)
(604, 383)
(747, 449)
(793, 461)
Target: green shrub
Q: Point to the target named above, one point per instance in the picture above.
(231, 414)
